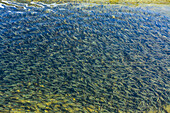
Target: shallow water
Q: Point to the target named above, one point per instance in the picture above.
(83, 58)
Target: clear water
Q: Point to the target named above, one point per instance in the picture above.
(83, 58)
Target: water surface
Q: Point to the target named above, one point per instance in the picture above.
(83, 58)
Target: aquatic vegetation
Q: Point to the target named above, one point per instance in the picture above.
(74, 58)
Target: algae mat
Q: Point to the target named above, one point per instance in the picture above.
(82, 58)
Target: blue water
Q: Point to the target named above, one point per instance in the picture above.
(115, 52)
